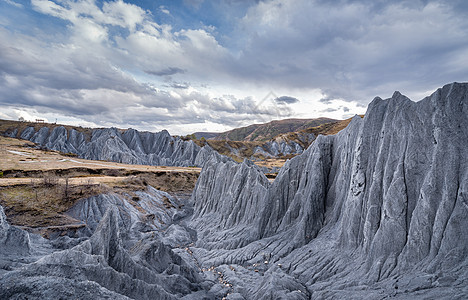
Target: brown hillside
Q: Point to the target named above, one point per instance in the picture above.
(323, 129)
(267, 131)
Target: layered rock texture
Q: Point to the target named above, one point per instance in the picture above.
(280, 145)
(134, 147)
(123, 252)
(377, 211)
(111, 144)
(12, 239)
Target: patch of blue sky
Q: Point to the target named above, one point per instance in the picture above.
(25, 20)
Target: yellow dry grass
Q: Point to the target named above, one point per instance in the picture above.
(14, 156)
(37, 187)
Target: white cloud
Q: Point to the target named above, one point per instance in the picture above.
(50, 8)
(11, 2)
(124, 14)
(116, 13)
(147, 45)
(12, 113)
(164, 10)
(116, 57)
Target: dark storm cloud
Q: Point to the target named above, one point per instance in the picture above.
(286, 100)
(71, 82)
(355, 50)
(80, 85)
(63, 71)
(166, 72)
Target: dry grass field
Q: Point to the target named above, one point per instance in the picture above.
(37, 187)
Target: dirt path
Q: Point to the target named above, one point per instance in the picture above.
(95, 180)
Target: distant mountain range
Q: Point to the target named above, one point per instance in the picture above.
(264, 132)
(276, 139)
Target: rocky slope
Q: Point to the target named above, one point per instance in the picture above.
(296, 137)
(379, 209)
(123, 251)
(376, 211)
(12, 240)
(295, 142)
(134, 147)
(267, 131)
(111, 144)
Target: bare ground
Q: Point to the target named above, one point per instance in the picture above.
(37, 187)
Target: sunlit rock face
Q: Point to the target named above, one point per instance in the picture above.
(378, 210)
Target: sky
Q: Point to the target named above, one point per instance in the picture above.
(199, 65)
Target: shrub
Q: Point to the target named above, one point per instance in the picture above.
(70, 154)
(49, 181)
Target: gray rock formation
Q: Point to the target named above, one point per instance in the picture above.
(112, 144)
(147, 148)
(281, 145)
(125, 257)
(12, 239)
(135, 147)
(225, 205)
(102, 267)
(377, 211)
(149, 210)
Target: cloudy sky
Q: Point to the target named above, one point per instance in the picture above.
(199, 65)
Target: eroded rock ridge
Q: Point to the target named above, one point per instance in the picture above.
(377, 211)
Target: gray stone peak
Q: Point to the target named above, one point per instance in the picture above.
(13, 241)
(111, 144)
(378, 210)
(389, 189)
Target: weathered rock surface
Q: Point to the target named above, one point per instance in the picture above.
(102, 267)
(123, 258)
(12, 239)
(225, 205)
(111, 144)
(135, 147)
(147, 211)
(281, 146)
(376, 211)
